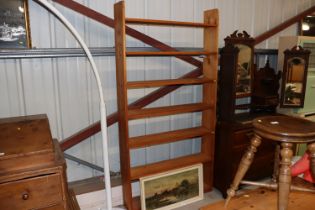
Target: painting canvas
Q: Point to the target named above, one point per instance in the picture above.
(14, 24)
(172, 189)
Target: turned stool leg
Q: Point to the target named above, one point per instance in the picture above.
(275, 174)
(284, 176)
(311, 149)
(246, 161)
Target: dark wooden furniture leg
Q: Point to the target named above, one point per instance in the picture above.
(245, 163)
(275, 174)
(284, 176)
(311, 149)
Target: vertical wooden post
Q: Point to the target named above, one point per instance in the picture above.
(122, 100)
(210, 70)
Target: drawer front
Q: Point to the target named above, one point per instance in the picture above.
(32, 193)
(261, 167)
(264, 149)
(242, 140)
(55, 207)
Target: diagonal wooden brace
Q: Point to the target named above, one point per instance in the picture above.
(111, 119)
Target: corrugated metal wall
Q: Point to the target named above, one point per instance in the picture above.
(65, 89)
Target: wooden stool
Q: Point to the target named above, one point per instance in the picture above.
(286, 130)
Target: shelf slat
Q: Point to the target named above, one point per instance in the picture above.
(159, 83)
(146, 170)
(243, 95)
(167, 22)
(166, 110)
(169, 53)
(166, 137)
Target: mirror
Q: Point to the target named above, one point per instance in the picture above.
(244, 64)
(294, 77)
(307, 26)
(294, 81)
(243, 74)
(236, 74)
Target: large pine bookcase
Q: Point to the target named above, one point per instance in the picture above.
(207, 106)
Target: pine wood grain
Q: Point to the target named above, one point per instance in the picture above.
(262, 199)
(167, 165)
(209, 91)
(166, 22)
(122, 100)
(167, 137)
(159, 83)
(169, 53)
(167, 110)
(124, 114)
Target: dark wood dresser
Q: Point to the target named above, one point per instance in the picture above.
(232, 139)
(32, 166)
(244, 93)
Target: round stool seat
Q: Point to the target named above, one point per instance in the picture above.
(285, 129)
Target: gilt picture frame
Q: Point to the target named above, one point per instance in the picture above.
(172, 189)
(14, 24)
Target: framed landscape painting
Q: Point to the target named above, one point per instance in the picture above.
(172, 189)
(14, 24)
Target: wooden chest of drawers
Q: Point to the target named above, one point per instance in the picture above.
(32, 166)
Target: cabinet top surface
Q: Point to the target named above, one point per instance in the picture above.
(25, 135)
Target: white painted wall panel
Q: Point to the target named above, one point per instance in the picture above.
(260, 19)
(12, 103)
(65, 89)
(227, 18)
(245, 20)
(275, 11)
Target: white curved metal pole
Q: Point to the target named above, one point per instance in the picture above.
(53, 10)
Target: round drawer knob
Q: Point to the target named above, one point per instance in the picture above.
(25, 196)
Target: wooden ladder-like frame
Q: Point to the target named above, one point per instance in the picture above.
(208, 105)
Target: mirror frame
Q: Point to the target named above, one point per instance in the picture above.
(295, 52)
(306, 26)
(243, 38)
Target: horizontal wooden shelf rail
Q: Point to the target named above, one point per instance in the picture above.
(170, 53)
(167, 22)
(146, 170)
(167, 137)
(166, 110)
(159, 83)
